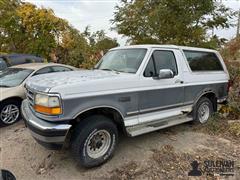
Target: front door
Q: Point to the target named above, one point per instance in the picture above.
(161, 98)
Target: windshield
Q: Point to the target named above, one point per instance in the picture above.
(12, 77)
(122, 60)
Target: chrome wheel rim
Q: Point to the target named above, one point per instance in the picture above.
(98, 144)
(203, 112)
(9, 114)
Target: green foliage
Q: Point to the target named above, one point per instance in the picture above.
(26, 28)
(73, 49)
(180, 22)
(99, 41)
(99, 44)
(234, 129)
(8, 26)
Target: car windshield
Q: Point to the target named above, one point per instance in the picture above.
(122, 60)
(12, 77)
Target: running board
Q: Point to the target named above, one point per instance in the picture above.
(156, 125)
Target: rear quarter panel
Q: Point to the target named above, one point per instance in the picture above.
(198, 83)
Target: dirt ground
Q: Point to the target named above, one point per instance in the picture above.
(164, 154)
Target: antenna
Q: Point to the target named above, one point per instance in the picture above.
(238, 24)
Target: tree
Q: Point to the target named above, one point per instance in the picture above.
(9, 33)
(105, 44)
(99, 44)
(73, 49)
(28, 29)
(43, 28)
(180, 22)
(99, 41)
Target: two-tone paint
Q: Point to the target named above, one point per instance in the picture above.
(137, 99)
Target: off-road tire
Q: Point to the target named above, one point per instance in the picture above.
(82, 135)
(202, 101)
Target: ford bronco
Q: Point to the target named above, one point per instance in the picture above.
(134, 89)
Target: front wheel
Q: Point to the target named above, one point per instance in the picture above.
(94, 141)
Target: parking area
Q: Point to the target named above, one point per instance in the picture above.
(27, 159)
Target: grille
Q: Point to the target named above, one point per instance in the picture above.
(30, 96)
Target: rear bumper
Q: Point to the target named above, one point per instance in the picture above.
(223, 100)
(50, 135)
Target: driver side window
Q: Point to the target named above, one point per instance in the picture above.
(161, 59)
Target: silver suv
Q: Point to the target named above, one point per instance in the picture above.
(134, 90)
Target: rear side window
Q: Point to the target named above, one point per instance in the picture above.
(203, 61)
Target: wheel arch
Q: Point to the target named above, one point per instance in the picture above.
(111, 112)
(15, 98)
(211, 95)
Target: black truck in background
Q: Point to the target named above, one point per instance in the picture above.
(7, 60)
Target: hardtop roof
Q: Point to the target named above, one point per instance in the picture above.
(149, 46)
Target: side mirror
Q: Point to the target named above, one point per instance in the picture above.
(165, 74)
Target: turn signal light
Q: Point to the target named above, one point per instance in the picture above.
(48, 110)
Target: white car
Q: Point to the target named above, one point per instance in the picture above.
(12, 81)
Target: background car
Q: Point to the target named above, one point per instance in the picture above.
(12, 81)
(8, 60)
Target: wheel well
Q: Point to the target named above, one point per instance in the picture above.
(212, 97)
(111, 113)
(18, 99)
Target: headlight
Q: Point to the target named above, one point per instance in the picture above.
(49, 105)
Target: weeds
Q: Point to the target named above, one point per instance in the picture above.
(234, 129)
(216, 125)
(220, 125)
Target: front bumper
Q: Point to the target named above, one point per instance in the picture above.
(50, 135)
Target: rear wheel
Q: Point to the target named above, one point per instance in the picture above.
(203, 110)
(94, 141)
(9, 112)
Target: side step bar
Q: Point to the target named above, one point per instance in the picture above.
(156, 125)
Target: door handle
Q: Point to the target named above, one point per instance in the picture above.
(179, 81)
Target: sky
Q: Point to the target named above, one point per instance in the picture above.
(97, 15)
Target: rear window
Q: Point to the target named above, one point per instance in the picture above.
(16, 60)
(203, 61)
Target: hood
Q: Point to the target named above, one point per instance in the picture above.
(70, 82)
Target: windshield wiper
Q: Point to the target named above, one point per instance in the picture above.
(4, 86)
(113, 70)
(106, 69)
